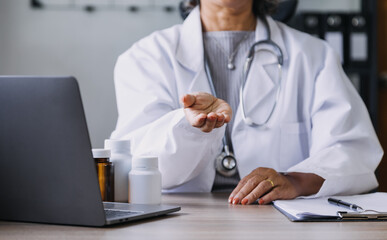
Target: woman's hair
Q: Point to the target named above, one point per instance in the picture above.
(260, 7)
(264, 7)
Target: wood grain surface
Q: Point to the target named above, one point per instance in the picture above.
(204, 216)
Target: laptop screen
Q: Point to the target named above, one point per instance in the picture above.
(47, 173)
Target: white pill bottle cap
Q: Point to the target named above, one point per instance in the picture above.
(101, 153)
(118, 145)
(145, 162)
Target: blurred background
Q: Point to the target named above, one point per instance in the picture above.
(83, 38)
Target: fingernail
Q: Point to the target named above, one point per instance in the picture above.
(230, 200)
(236, 201)
(261, 202)
(244, 201)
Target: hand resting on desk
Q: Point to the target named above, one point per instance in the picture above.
(269, 185)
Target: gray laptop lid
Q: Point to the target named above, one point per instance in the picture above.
(47, 172)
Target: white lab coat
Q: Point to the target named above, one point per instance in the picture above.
(320, 124)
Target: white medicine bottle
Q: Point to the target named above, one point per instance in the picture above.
(145, 181)
(121, 157)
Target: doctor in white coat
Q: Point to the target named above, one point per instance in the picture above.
(319, 140)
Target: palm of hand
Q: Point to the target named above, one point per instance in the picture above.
(205, 111)
(206, 104)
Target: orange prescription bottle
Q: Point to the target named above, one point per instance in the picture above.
(105, 172)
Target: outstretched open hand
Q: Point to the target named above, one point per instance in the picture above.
(205, 111)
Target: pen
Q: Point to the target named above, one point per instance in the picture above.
(341, 203)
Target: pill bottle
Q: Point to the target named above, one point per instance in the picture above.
(145, 181)
(122, 159)
(105, 172)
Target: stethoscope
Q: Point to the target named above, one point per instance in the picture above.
(225, 163)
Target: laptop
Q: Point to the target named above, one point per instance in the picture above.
(47, 172)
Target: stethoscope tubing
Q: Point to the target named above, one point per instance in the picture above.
(246, 69)
(248, 120)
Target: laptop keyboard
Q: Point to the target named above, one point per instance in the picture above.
(111, 213)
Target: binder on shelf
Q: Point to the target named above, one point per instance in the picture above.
(358, 54)
(334, 33)
(355, 78)
(360, 80)
(312, 24)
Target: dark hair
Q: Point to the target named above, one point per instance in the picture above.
(264, 7)
(260, 7)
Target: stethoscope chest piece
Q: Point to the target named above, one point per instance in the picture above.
(225, 164)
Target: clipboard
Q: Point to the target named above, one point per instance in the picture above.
(319, 210)
(309, 218)
(381, 216)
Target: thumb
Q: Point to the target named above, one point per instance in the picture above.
(188, 100)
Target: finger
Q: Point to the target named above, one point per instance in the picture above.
(262, 188)
(247, 188)
(271, 196)
(219, 120)
(218, 124)
(227, 117)
(199, 120)
(209, 124)
(232, 198)
(220, 117)
(188, 100)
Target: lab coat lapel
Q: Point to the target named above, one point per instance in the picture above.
(190, 52)
(276, 35)
(262, 79)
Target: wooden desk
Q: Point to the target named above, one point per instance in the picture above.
(204, 216)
